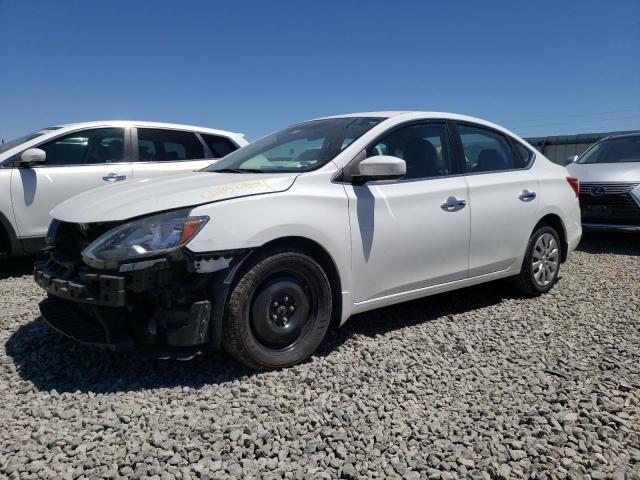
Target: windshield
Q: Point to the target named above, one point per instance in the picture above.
(300, 148)
(5, 146)
(614, 150)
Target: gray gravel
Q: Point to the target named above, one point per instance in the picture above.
(478, 383)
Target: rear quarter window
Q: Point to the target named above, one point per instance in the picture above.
(160, 145)
(526, 155)
(219, 146)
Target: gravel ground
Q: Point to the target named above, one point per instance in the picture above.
(478, 383)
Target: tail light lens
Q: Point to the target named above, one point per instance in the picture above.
(574, 183)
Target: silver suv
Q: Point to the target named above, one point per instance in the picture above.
(609, 174)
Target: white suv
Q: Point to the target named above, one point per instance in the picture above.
(266, 248)
(42, 169)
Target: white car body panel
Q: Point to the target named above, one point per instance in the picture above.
(121, 201)
(31, 193)
(35, 190)
(391, 221)
(496, 207)
(389, 241)
(558, 200)
(312, 209)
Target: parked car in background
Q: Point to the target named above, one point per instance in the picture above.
(609, 174)
(263, 250)
(40, 170)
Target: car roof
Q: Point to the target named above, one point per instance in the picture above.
(418, 115)
(142, 123)
(380, 114)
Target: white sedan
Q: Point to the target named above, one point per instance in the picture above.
(40, 170)
(264, 250)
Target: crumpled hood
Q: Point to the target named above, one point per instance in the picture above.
(134, 198)
(605, 172)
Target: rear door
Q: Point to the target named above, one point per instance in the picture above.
(503, 194)
(75, 162)
(162, 151)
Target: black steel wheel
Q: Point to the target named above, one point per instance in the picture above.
(279, 310)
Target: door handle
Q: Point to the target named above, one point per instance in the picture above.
(112, 177)
(453, 204)
(527, 196)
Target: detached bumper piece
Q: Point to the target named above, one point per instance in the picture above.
(162, 307)
(107, 290)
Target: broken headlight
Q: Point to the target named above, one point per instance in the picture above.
(141, 238)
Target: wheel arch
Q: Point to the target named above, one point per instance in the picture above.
(553, 220)
(8, 237)
(320, 255)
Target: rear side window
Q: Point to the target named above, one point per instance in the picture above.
(89, 147)
(486, 150)
(160, 145)
(219, 146)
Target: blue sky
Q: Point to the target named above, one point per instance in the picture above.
(543, 67)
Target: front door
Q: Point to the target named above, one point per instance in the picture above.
(414, 232)
(74, 163)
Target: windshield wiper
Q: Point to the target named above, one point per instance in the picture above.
(237, 170)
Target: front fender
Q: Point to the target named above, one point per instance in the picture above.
(317, 214)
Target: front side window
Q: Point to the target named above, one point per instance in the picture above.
(614, 150)
(424, 148)
(88, 147)
(219, 146)
(161, 145)
(486, 150)
(299, 148)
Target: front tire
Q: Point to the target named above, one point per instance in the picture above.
(541, 264)
(278, 311)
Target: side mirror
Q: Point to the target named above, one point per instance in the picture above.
(32, 156)
(571, 159)
(380, 167)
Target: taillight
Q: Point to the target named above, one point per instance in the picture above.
(575, 185)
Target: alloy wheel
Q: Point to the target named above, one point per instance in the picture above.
(544, 264)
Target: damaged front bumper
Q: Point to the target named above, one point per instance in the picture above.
(165, 305)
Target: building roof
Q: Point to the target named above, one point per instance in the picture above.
(576, 139)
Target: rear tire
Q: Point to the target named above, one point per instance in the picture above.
(541, 264)
(278, 311)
